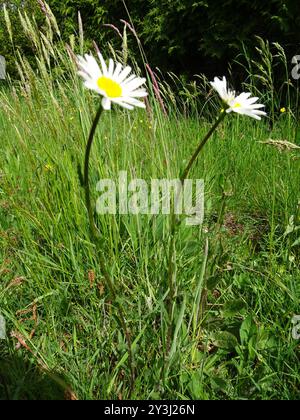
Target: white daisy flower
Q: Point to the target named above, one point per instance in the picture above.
(242, 104)
(113, 82)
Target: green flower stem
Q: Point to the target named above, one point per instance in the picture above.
(175, 223)
(97, 240)
(86, 183)
(201, 145)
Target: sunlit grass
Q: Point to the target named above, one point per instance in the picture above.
(45, 244)
(237, 274)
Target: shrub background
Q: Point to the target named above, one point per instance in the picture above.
(183, 36)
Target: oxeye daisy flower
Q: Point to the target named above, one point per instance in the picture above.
(113, 82)
(242, 104)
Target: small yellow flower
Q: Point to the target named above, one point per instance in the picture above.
(48, 167)
(283, 110)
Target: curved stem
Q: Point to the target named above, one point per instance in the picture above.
(200, 147)
(86, 183)
(97, 240)
(175, 223)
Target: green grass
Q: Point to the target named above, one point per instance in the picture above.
(237, 276)
(243, 346)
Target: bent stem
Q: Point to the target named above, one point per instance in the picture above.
(97, 240)
(175, 223)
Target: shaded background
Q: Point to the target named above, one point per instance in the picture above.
(183, 36)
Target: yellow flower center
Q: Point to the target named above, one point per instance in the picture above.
(237, 105)
(110, 87)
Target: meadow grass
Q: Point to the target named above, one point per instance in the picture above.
(50, 278)
(237, 276)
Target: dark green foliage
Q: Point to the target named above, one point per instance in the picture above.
(185, 36)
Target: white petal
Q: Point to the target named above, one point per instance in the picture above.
(256, 117)
(245, 95)
(140, 93)
(134, 102)
(81, 61)
(84, 75)
(124, 73)
(88, 67)
(136, 83)
(92, 64)
(255, 106)
(111, 68)
(123, 104)
(117, 71)
(106, 103)
(103, 64)
(221, 87)
(249, 113)
(129, 79)
(225, 93)
(260, 113)
(251, 101)
(91, 86)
